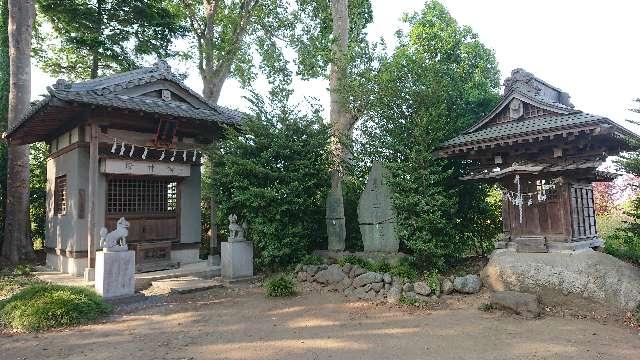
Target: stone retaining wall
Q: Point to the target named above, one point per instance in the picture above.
(354, 281)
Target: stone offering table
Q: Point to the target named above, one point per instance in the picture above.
(114, 273)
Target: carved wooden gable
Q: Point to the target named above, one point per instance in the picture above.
(517, 109)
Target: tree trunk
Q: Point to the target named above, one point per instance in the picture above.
(17, 243)
(95, 53)
(212, 84)
(339, 119)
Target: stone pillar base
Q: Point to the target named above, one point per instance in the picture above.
(114, 273)
(236, 260)
(213, 260)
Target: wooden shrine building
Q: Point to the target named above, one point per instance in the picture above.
(127, 145)
(544, 154)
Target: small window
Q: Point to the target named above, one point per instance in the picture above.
(141, 196)
(60, 195)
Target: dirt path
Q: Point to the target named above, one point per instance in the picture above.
(239, 323)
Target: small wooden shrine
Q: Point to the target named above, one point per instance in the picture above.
(544, 154)
(127, 145)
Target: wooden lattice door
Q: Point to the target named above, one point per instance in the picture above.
(150, 205)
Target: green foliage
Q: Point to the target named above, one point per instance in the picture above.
(275, 175)
(23, 269)
(116, 34)
(487, 307)
(45, 306)
(623, 244)
(404, 269)
(237, 37)
(379, 266)
(314, 39)
(312, 260)
(353, 260)
(433, 280)
(439, 81)
(280, 286)
(38, 192)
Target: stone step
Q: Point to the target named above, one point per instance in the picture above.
(198, 270)
(187, 284)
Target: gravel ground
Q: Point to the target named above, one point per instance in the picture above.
(238, 322)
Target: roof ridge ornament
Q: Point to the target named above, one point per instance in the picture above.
(163, 66)
(62, 84)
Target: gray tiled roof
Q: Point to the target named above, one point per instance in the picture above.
(104, 92)
(537, 124)
(153, 105)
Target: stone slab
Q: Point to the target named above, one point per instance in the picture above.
(114, 275)
(187, 284)
(376, 214)
(236, 259)
(199, 269)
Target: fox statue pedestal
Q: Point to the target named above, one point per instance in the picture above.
(237, 260)
(114, 273)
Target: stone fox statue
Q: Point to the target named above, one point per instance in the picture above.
(117, 239)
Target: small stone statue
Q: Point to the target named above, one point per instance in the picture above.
(117, 239)
(236, 232)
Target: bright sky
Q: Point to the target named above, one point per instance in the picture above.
(587, 48)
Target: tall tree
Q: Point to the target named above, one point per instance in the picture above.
(438, 81)
(229, 33)
(94, 37)
(337, 36)
(4, 104)
(17, 242)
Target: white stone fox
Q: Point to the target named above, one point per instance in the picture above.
(117, 239)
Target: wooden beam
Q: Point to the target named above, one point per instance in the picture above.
(93, 187)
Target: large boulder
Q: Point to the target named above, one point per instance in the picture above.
(422, 288)
(469, 284)
(517, 302)
(367, 278)
(446, 286)
(332, 275)
(565, 278)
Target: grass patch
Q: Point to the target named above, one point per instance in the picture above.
(280, 286)
(354, 260)
(46, 306)
(312, 260)
(487, 307)
(404, 269)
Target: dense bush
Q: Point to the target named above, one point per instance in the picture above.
(274, 174)
(624, 245)
(280, 286)
(46, 306)
(440, 80)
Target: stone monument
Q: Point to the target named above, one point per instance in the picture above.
(237, 252)
(115, 264)
(336, 231)
(376, 215)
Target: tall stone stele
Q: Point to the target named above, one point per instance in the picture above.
(336, 231)
(376, 215)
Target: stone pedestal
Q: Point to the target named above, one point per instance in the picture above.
(213, 260)
(236, 260)
(114, 273)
